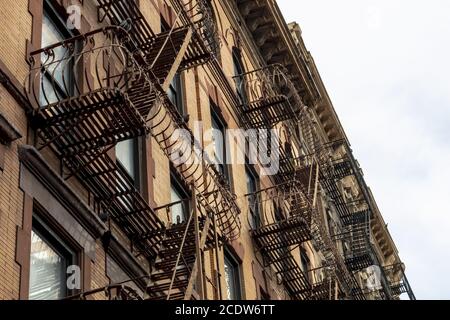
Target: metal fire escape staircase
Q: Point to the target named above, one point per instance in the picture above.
(309, 170)
(356, 221)
(398, 281)
(286, 224)
(109, 85)
(269, 98)
(179, 266)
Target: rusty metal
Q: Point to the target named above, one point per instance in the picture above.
(270, 97)
(110, 292)
(189, 15)
(286, 213)
(398, 281)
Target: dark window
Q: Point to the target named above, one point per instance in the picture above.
(57, 79)
(278, 211)
(175, 92)
(264, 295)
(238, 73)
(127, 155)
(252, 187)
(49, 259)
(232, 277)
(305, 263)
(219, 141)
(180, 211)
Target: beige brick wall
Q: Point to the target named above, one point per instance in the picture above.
(11, 200)
(14, 30)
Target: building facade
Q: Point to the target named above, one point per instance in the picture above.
(171, 149)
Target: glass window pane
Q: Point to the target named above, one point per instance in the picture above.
(51, 34)
(175, 94)
(47, 271)
(177, 211)
(218, 141)
(230, 280)
(50, 94)
(126, 155)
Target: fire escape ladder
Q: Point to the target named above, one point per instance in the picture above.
(285, 225)
(189, 19)
(161, 56)
(179, 266)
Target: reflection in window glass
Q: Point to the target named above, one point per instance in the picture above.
(218, 140)
(231, 279)
(252, 186)
(47, 271)
(175, 93)
(58, 76)
(178, 210)
(126, 154)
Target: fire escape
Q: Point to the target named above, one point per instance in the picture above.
(285, 209)
(355, 215)
(109, 85)
(338, 281)
(398, 282)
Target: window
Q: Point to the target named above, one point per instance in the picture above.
(278, 212)
(57, 79)
(238, 72)
(252, 187)
(179, 212)
(175, 92)
(49, 260)
(304, 263)
(219, 141)
(264, 294)
(232, 277)
(128, 157)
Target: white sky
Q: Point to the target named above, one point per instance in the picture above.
(385, 64)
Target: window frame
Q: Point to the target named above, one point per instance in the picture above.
(305, 263)
(237, 273)
(50, 12)
(177, 83)
(255, 221)
(137, 161)
(59, 243)
(177, 185)
(238, 70)
(176, 87)
(222, 168)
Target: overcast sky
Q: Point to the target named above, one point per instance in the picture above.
(386, 66)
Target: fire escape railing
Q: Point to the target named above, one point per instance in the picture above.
(193, 15)
(285, 224)
(269, 97)
(355, 215)
(109, 85)
(398, 281)
(111, 292)
(90, 93)
(191, 49)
